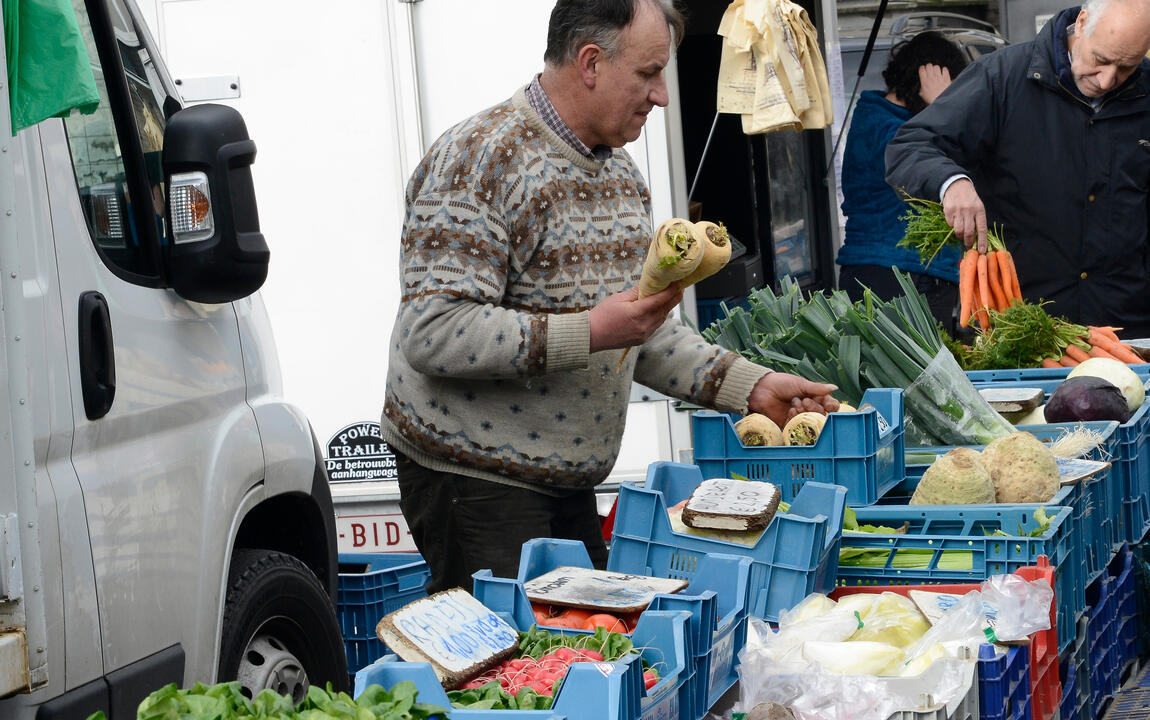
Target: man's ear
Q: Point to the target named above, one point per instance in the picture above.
(587, 61)
(1080, 22)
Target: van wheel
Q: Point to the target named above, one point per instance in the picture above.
(280, 630)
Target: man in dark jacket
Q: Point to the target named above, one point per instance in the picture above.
(1050, 142)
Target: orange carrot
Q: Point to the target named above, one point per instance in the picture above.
(1009, 279)
(1067, 361)
(1098, 352)
(1050, 363)
(994, 277)
(1106, 331)
(984, 296)
(1115, 349)
(1077, 353)
(967, 273)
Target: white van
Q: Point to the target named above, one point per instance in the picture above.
(164, 514)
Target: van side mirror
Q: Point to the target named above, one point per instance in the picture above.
(216, 252)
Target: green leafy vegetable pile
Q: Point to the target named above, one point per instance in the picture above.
(225, 701)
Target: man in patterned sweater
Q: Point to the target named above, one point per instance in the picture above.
(523, 241)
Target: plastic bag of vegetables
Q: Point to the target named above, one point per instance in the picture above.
(944, 408)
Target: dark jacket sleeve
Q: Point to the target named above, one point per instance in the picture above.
(949, 137)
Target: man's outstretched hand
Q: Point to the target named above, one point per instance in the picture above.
(781, 396)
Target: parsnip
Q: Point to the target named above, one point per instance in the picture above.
(757, 430)
(804, 428)
(716, 252)
(675, 252)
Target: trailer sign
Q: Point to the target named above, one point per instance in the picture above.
(358, 452)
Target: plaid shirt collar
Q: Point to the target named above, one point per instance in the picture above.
(540, 103)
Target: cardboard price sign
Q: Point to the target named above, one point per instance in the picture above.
(458, 635)
(724, 504)
(598, 589)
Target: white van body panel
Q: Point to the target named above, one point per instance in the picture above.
(116, 534)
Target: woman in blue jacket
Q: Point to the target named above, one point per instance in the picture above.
(918, 71)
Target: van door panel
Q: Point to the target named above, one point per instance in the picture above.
(180, 426)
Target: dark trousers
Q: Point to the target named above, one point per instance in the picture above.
(941, 295)
(462, 524)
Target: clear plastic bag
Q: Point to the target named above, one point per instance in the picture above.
(944, 408)
(1019, 607)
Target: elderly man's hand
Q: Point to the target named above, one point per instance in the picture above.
(781, 396)
(965, 213)
(624, 319)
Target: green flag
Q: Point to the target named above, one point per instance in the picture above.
(49, 72)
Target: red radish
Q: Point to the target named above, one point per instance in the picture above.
(650, 679)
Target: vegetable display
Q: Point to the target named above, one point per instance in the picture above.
(529, 680)
(1025, 335)
(226, 701)
(872, 343)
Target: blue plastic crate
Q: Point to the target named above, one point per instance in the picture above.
(1068, 706)
(1130, 504)
(862, 451)
(1141, 369)
(795, 555)
(1101, 629)
(1003, 683)
(590, 691)
(1121, 571)
(931, 530)
(372, 585)
(1088, 498)
(715, 596)
(1073, 668)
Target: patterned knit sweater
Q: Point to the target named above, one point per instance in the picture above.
(510, 238)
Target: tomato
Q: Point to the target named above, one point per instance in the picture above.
(541, 613)
(576, 615)
(612, 622)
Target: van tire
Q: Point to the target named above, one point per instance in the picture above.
(279, 630)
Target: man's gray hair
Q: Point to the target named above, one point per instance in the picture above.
(1095, 9)
(575, 23)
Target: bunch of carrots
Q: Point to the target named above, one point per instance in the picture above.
(1100, 341)
(986, 281)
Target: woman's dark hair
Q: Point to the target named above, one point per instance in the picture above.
(901, 73)
(575, 23)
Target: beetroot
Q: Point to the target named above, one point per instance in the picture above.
(1087, 398)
